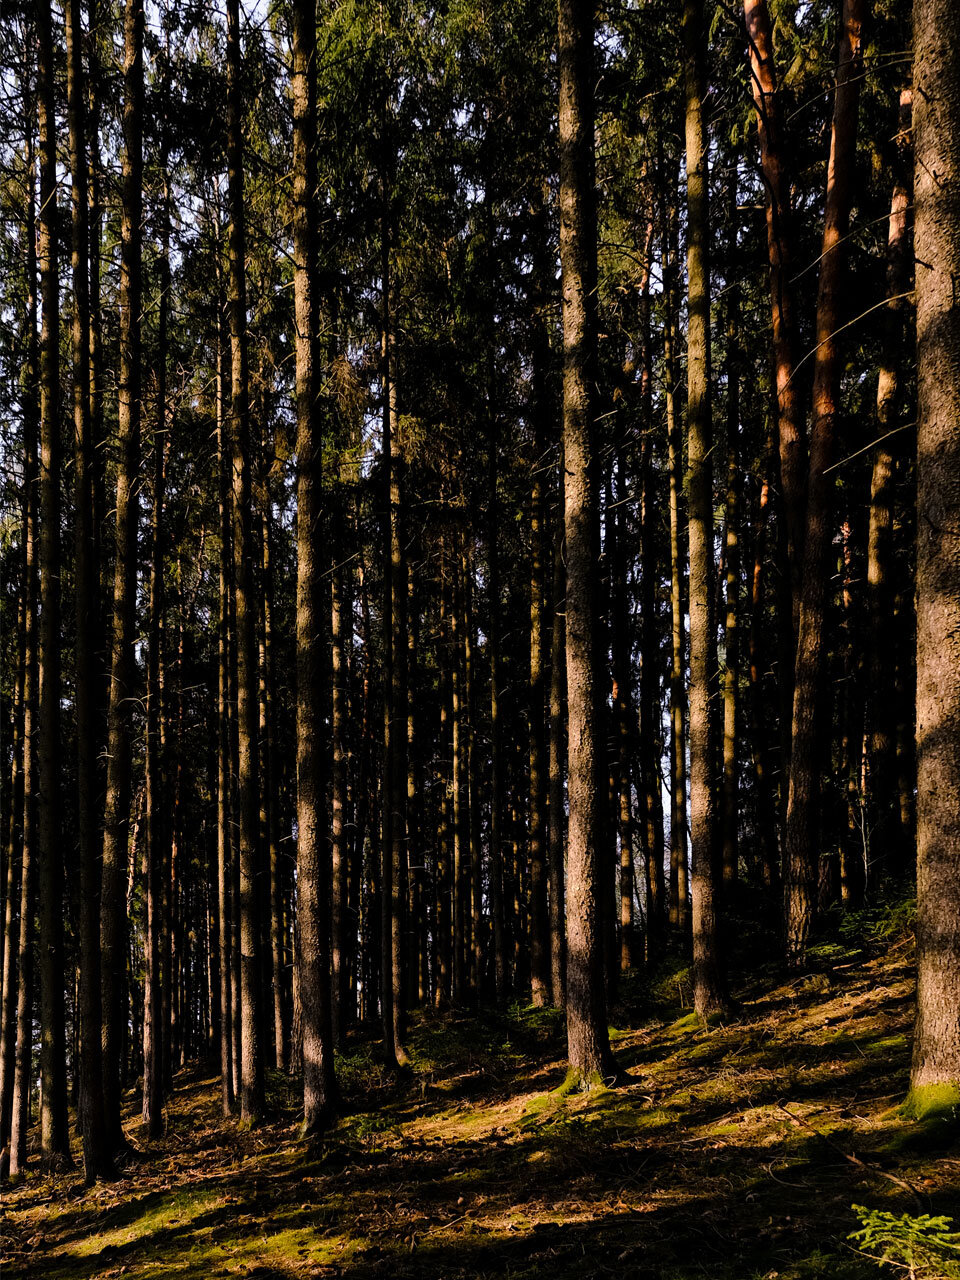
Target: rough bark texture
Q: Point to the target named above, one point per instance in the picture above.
(708, 990)
(587, 1041)
(96, 1155)
(935, 1078)
(20, 1093)
(54, 1135)
(312, 869)
(251, 1044)
(801, 851)
(117, 817)
(555, 806)
(678, 911)
(776, 178)
(887, 835)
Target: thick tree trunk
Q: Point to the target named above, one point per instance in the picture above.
(587, 1040)
(319, 1085)
(707, 982)
(935, 1077)
(801, 853)
(54, 1135)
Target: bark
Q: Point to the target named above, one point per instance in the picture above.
(96, 1155)
(14, 856)
(935, 1076)
(729, 794)
(679, 914)
(555, 805)
(766, 814)
(340, 626)
(395, 701)
(154, 845)
(650, 729)
(312, 869)
(887, 836)
(20, 1095)
(54, 1134)
(587, 1040)
(475, 880)
(708, 989)
(251, 995)
(496, 727)
(774, 155)
(540, 971)
(801, 830)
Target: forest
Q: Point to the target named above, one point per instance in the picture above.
(480, 639)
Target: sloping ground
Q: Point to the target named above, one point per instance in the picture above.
(734, 1152)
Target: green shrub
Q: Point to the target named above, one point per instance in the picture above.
(924, 1248)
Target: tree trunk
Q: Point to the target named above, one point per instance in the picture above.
(500, 971)
(555, 807)
(801, 854)
(587, 1040)
(251, 1001)
(935, 1077)
(154, 845)
(96, 1155)
(679, 914)
(729, 795)
(312, 870)
(20, 1093)
(780, 256)
(708, 989)
(887, 836)
(54, 1135)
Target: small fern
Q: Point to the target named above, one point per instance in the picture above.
(924, 1248)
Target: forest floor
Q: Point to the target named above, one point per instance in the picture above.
(734, 1152)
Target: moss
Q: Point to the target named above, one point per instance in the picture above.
(933, 1102)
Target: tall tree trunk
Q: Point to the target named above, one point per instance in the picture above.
(251, 995)
(395, 694)
(935, 1077)
(588, 1045)
(801, 854)
(54, 1135)
(154, 845)
(496, 725)
(888, 838)
(679, 888)
(707, 983)
(729, 793)
(20, 1094)
(312, 868)
(555, 805)
(224, 736)
(340, 624)
(117, 817)
(774, 150)
(14, 856)
(96, 1154)
(766, 813)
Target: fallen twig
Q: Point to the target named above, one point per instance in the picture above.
(855, 1160)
